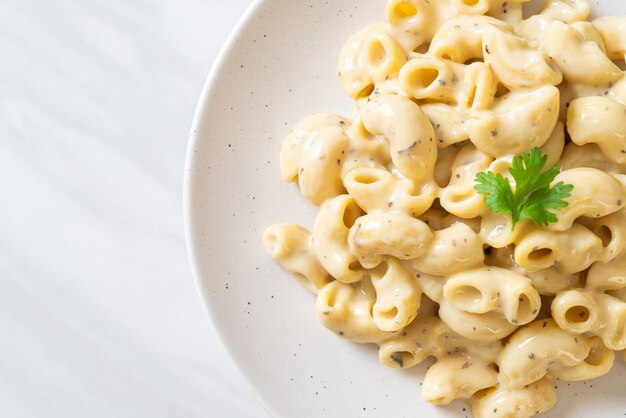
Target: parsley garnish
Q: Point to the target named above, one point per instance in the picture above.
(533, 195)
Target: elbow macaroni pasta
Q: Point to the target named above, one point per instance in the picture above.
(405, 254)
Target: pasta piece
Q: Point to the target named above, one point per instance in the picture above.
(598, 363)
(376, 189)
(346, 310)
(581, 61)
(411, 22)
(300, 139)
(567, 11)
(410, 134)
(589, 33)
(509, 11)
(519, 121)
(472, 86)
(608, 276)
(487, 328)
(461, 39)
(459, 197)
(613, 32)
(369, 58)
(426, 77)
(366, 150)
(575, 156)
(448, 121)
(422, 339)
(581, 311)
(522, 402)
(551, 281)
(457, 377)
(452, 249)
(290, 245)
(612, 231)
(516, 65)
(595, 194)
(432, 286)
(535, 349)
(599, 120)
(397, 296)
(319, 177)
(496, 231)
(572, 250)
(380, 234)
(330, 238)
(494, 289)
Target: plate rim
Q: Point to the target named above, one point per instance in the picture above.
(189, 184)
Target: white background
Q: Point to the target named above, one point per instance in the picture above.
(99, 316)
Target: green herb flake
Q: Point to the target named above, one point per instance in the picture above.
(533, 197)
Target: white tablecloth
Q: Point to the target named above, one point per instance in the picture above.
(99, 316)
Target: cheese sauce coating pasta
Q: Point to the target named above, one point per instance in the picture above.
(405, 254)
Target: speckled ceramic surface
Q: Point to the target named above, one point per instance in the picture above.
(280, 66)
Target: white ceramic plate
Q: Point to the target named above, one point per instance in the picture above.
(279, 66)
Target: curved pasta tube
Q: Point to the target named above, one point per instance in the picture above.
(598, 363)
(459, 197)
(535, 349)
(494, 289)
(450, 250)
(613, 32)
(409, 132)
(457, 377)
(376, 189)
(612, 231)
(370, 57)
(472, 86)
(573, 250)
(461, 39)
(411, 22)
(428, 336)
(581, 311)
(522, 402)
(488, 327)
(595, 194)
(380, 234)
(346, 310)
(432, 286)
(575, 156)
(290, 245)
(479, 87)
(608, 276)
(567, 11)
(448, 122)
(581, 61)
(599, 120)
(589, 33)
(397, 296)
(319, 177)
(421, 339)
(551, 281)
(426, 77)
(515, 64)
(496, 230)
(330, 238)
(518, 121)
(300, 139)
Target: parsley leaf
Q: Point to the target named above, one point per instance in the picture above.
(533, 196)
